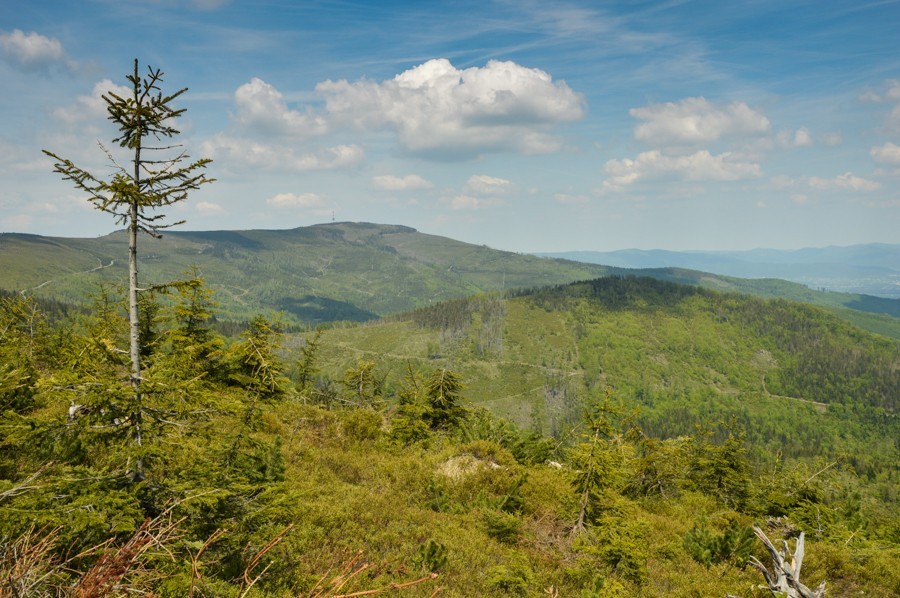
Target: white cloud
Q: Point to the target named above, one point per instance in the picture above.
(296, 200)
(845, 182)
(482, 184)
(33, 51)
(465, 202)
(832, 139)
(207, 207)
(700, 166)
(262, 109)
(891, 94)
(784, 182)
(92, 107)
(799, 138)
(696, 120)
(868, 96)
(441, 111)
(242, 154)
(889, 153)
(893, 90)
(893, 119)
(394, 183)
(471, 203)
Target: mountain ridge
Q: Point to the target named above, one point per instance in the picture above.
(347, 271)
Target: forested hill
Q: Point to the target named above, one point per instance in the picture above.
(346, 271)
(797, 377)
(343, 271)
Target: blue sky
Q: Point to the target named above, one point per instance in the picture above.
(526, 126)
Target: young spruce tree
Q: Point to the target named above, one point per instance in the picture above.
(134, 194)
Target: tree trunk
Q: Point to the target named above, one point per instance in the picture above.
(134, 314)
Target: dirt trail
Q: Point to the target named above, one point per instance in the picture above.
(88, 271)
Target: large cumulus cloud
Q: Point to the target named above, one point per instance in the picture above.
(439, 110)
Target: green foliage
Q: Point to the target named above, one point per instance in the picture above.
(409, 422)
(501, 526)
(599, 460)
(362, 424)
(442, 396)
(192, 338)
(255, 365)
(306, 366)
(660, 467)
(721, 468)
(526, 447)
(618, 540)
(361, 387)
(431, 556)
(513, 578)
(23, 333)
(732, 545)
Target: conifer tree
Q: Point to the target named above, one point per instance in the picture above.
(442, 391)
(599, 458)
(192, 338)
(135, 193)
(256, 365)
(306, 366)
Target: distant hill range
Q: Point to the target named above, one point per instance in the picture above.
(351, 271)
(872, 269)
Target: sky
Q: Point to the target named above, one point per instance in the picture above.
(528, 126)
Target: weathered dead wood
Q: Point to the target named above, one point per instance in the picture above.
(784, 577)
